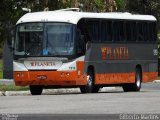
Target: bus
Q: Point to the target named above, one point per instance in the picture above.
(65, 48)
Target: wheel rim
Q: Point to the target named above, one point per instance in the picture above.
(138, 80)
(89, 80)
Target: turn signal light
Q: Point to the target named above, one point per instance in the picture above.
(18, 74)
(67, 74)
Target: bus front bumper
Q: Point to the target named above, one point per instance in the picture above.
(49, 78)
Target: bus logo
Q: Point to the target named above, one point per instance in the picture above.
(117, 53)
(42, 64)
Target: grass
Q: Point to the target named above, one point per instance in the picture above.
(9, 87)
(1, 71)
(1, 50)
(12, 87)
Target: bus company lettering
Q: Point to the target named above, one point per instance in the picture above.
(41, 64)
(117, 53)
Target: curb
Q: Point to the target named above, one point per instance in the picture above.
(16, 93)
(156, 81)
(6, 81)
(2, 93)
(52, 91)
(60, 91)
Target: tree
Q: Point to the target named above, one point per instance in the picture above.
(120, 5)
(11, 10)
(9, 13)
(101, 5)
(151, 7)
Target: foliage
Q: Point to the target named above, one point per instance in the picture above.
(1, 72)
(8, 18)
(120, 5)
(12, 87)
(151, 7)
(1, 52)
(11, 10)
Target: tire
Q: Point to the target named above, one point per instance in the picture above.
(89, 88)
(36, 89)
(135, 87)
(138, 81)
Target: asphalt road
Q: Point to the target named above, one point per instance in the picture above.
(110, 102)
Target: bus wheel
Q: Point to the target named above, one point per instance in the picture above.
(135, 86)
(89, 88)
(36, 89)
(138, 81)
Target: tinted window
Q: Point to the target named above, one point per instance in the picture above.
(128, 31)
(152, 31)
(106, 30)
(121, 30)
(94, 30)
(118, 31)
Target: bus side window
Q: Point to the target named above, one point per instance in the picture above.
(93, 28)
(145, 31)
(152, 31)
(106, 31)
(140, 31)
(115, 31)
(121, 31)
(133, 31)
(128, 31)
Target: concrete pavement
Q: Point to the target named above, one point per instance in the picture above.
(45, 91)
(110, 102)
(6, 81)
(52, 91)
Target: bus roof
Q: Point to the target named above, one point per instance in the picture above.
(74, 17)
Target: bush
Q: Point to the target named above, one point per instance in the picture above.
(1, 52)
(1, 72)
(12, 87)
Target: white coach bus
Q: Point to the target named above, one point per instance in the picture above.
(54, 49)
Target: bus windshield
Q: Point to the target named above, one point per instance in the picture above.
(44, 39)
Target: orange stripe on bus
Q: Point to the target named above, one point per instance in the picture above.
(77, 77)
(120, 78)
(114, 78)
(149, 76)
